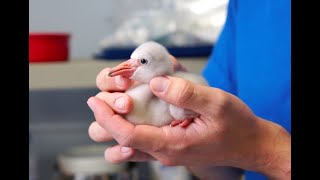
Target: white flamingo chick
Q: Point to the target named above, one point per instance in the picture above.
(147, 61)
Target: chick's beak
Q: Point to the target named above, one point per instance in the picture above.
(125, 69)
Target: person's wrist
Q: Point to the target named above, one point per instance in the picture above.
(273, 151)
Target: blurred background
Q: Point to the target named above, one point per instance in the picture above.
(70, 42)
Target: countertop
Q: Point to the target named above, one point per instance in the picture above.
(82, 73)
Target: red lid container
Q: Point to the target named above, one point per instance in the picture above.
(44, 47)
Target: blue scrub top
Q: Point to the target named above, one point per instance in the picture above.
(252, 59)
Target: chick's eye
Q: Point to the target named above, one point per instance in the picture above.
(144, 61)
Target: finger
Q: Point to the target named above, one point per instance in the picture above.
(119, 102)
(98, 134)
(143, 137)
(185, 94)
(113, 123)
(121, 154)
(106, 83)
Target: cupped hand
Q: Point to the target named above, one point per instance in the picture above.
(227, 133)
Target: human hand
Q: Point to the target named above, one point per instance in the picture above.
(226, 133)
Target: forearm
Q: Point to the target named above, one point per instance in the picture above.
(217, 173)
(267, 151)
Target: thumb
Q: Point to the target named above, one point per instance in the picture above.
(184, 93)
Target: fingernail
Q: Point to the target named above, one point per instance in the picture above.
(159, 84)
(120, 103)
(125, 149)
(119, 81)
(91, 104)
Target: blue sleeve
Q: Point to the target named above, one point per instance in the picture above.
(218, 70)
(252, 60)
